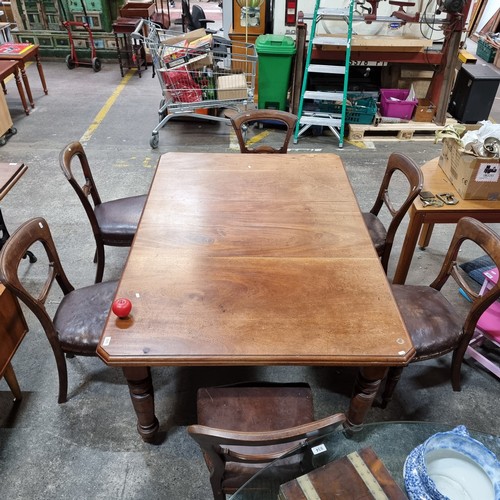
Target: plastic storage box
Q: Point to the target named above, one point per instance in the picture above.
(360, 109)
(396, 108)
(485, 50)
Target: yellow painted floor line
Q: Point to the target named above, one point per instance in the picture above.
(107, 106)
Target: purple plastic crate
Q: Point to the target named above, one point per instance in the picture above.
(396, 109)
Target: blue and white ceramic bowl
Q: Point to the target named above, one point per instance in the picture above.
(452, 466)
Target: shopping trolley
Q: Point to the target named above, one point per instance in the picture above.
(198, 71)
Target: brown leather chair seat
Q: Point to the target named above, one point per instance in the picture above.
(377, 230)
(81, 315)
(118, 219)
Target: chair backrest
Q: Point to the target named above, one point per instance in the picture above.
(240, 124)
(469, 229)
(88, 194)
(32, 231)
(198, 17)
(248, 449)
(397, 163)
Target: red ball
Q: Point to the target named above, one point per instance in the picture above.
(122, 307)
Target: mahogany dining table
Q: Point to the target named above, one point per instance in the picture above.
(253, 260)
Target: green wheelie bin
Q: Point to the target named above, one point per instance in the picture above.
(275, 54)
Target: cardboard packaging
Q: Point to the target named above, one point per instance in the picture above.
(232, 87)
(425, 111)
(474, 177)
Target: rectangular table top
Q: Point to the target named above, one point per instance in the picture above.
(254, 260)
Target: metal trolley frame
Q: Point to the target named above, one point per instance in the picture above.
(198, 71)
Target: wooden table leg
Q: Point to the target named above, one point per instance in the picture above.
(26, 84)
(21, 92)
(425, 236)
(4, 87)
(140, 386)
(365, 389)
(408, 249)
(10, 378)
(40, 72)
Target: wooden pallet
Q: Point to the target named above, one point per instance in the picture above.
(408, 131)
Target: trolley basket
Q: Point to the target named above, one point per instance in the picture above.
(198, 71)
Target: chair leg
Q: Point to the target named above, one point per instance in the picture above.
(392, 380)
(11, 379)
(99, 258)
(456, 365)
(62, 370)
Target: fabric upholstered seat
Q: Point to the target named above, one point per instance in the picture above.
(432, 322)
(80, 316)
(114, 223)
(243, 428)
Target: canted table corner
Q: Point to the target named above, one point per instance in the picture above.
(258, 260)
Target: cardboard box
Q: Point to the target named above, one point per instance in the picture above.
(475, 178)
(425, 111)
(189, 36)
(232, 87)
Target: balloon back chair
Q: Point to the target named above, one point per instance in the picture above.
(432, 322)
(79, 320)
(241, 121)
(383, 239)
(243, 428)
(114, 223)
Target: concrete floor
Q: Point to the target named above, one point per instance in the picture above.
(88, 448)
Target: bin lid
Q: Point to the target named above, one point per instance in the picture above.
(275, 44)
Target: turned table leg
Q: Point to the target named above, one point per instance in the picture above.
(365, 389)
(140, 386)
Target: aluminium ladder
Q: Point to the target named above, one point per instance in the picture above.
(334, 120)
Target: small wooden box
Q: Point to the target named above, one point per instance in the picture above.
(138, 9)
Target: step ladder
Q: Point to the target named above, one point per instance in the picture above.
(334, 119)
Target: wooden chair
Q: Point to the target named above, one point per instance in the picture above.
(383, 238)
(114, 223)
(431, 321)
(79, 320)
(241, 429)
(240, 124)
